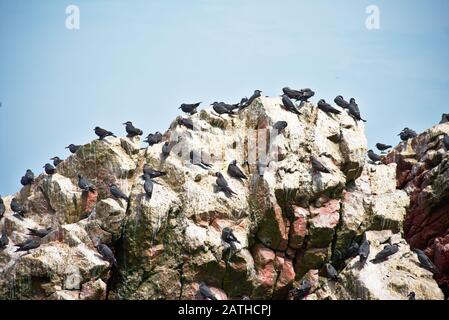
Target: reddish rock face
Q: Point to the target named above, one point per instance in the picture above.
(423, 172)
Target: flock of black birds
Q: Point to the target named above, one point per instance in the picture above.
(200, 159)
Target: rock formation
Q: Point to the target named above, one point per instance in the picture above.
(289, 220)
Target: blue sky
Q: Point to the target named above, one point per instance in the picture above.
(139, 60)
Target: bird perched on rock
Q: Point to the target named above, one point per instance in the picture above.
(373, 156)
(292, 94)
(444, 118)
(331, 272)
(280, 126)
(223, 185)
(352, 251)
(166, 149)
(106, 254)
(148, 186)
(412, 295)
(354, 111)
(235, 172)
(116, 192)
(56, 161)
(17, 208)
(243, 102)
(84, 184)
(2, 207)
(4, 240)
(227, 235)
(102, 133)
(28, 178)
(341, 102)
(49, 169)
(148, 171)
(188, 123)
(289, 105)
(154, 138)
(206, 292)
(387, 251)
(223, 108)
(28, 245)
(41, 233)
(73, 148)
(131, 130)
(306, 94)
(302, 291)
(364, 250)
(317, 166)
(326, 107)
(425, 261)
(251, 99)
(446, 141)
(189, 108)
(406, 134)
(200, 159)
(382, 147)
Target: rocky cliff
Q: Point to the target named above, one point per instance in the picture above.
(290, 220)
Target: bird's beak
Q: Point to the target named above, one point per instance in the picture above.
(66, 147)
(124, 123)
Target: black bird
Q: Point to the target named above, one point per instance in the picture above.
(364, 250)
(243, 102)
(331, 272)
(354, 110)
(116, 192)
(446, 141)
(280, 125)
(4, 241)
(84, 184)
(406, 134)
(412, 295)
(154, 138)
(148, 186)
(235, 172)
(289, 105)
(56, 161)
(223, 185)
(200, 159)
(148, 171)
(41, 233)
(131, 130)
(2, 208)
(107, 254)
(223, 108)
(189, 108)
(302, 291)
(292, 94)
(306, 94)
(188, 123)
(49, 169)
(28, 178)
(339, 101)
(352, 251)
(73, 148)
(28, 245)
(382, 147)
(227, 235)
(102, 133)
(373, 156)
(425, 261)
(326, 107)
(251, 99)
(16, 207)
(317, 166)
(387, 251)
(444, 118)
(206, 292)
(166, 148)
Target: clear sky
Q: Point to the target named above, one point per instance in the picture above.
(139, 60)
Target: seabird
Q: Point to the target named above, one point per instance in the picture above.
(341, 102)
(251, 99)
(280, 126)
(56, 161)
(235, 172)
(406, 134)
(49, 169)
(425, 261)
(387, 251)
(382, 147)
(41, 233)
(444, 118)
(326, 107)
(373, 156)
(306, 94)
(227, 235)
(223, 108)
(102, 133)
(317, 166)
(148, 171)
(28, 178)
(206, 292)
(2, 207)
(292, 94)
(73, 148)
(131, 130)
(4, 241)
(354, 110)
(364, 250)
(148, 186)
(289, 105)
(188, 123)
(17, 208)
(223, 185)
(28, 245)
(352, 251)
(154, 138)
(116, 192)
(84, 184)
(166, 148)
(331, 272)
(412, 295)
(106, 254)
(189, 108)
